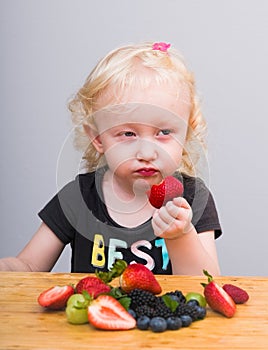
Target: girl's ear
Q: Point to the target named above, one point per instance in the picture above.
(94, 137)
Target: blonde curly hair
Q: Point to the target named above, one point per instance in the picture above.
(118, 70)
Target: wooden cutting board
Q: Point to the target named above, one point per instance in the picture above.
(26, 325)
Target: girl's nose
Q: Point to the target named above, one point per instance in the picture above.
(146, 150)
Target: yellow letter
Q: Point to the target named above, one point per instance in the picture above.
(98, 256)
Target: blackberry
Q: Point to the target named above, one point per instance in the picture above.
(161, 309)
(178, 296)
(144, 303)
(185, 309)
(141, 297)
(145, 310)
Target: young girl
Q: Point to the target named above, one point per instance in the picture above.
(137, 120)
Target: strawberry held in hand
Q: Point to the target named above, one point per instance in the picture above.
(139, 276)
(165, 191)
(217, 298)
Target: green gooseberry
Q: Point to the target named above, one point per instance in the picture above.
(77, 309)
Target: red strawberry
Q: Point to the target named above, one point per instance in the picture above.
(217, 298)
(105, 312)
(93, 285)
(165, 191)
(56, 297)
(239, 295)
(139, 276)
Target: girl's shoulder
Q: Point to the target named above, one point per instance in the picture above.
(191, 182)
(89, 179)
(194, 187)
(86, 179)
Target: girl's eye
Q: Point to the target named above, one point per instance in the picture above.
(128, 133)
(164, 132)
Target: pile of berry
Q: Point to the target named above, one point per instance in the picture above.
(137, 300)
(159, 313)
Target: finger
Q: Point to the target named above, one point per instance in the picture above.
(159, 226)
(168, 213)
(181, 202)
(173, 210)
(177, 212)
(184, 209)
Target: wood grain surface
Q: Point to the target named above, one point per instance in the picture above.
(26, 325)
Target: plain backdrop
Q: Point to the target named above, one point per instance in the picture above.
(49, 47)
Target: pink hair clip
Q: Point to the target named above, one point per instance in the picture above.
(161, 46)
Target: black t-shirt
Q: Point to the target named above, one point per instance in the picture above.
(78, 215)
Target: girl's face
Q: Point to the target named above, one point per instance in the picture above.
(142, 138)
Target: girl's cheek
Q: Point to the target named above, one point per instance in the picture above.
(116, 156)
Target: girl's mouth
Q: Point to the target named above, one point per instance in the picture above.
(147, 172)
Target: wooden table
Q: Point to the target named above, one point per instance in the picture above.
(26, 325)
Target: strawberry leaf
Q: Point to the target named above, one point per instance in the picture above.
(121, 296)
(117, 293)
(125, 302)
(170, 303)
(116, 271)
(86, 295)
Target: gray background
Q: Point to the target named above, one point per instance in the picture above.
(49, 47)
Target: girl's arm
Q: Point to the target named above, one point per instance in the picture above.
(190, 253)
(40, 254)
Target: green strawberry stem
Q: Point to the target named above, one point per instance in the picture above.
(210, 278)
(117, 269)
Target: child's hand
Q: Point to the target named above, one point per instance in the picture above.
(173, 220)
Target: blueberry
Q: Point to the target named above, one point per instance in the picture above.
(158, 324)
(201, 312)
(193, 302)
(143, 322)
(186, 320)
(174, 323)
(132, 313)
